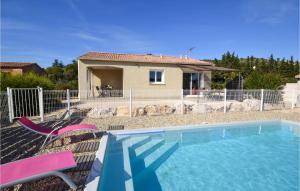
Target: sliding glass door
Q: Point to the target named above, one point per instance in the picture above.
(191, 81)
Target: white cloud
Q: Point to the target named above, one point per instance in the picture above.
(108, 37)
(129, 40)
(12, 24)
(268, 11)
(73, 6)
(111, 37)
(87, 36)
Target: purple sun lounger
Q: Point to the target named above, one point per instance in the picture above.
(36, 167)
(55, 133)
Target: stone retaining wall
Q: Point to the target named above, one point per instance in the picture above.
(189, 107)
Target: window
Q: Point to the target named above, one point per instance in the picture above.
(156, 76)
(152, 76)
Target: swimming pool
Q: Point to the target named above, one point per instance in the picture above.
(241, 156)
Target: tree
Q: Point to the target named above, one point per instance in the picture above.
(55, 73)
(71, 71)
(257, 80)
(57, 63)
(64, 77)
(291, 66)
(71, 75)
(263, 66)
(297, 68)
(285, 69)
(271, 63)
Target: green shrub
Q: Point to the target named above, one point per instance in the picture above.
(218, 86)
(29, 80)
(258, 80)
(72, 85)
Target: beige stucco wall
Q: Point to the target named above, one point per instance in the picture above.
(135, 75)
(13, 71)
(292, 92)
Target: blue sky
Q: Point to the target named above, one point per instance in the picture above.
(40, 31)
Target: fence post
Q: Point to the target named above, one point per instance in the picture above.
(41, 104)
(182, 102)
(262, 100)
(10, 106)
(130, 102)
(68, 103)
(225, 100)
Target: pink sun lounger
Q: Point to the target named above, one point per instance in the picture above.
(55, 133)
(36, 167)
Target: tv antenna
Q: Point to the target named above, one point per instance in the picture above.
(189, 51)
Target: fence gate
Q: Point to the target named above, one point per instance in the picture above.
(25, 102)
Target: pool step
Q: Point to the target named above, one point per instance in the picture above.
(146, 149)
(154, 159)
(122, 138)
(130, 142)
(142, 141)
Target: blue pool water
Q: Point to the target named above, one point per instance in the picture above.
(247, 156)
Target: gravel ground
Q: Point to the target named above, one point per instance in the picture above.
(173, 120)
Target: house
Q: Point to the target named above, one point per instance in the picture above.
(21, 68)
(100, 70)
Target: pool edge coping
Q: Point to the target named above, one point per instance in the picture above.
(178, 127)
(93, 180)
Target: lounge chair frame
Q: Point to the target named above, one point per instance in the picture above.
(50, 137)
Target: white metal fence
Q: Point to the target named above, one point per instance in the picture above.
(36, 102)
(4, 108)
(24, 102)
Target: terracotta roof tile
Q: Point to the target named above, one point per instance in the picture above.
(15, 64)
(148, 58)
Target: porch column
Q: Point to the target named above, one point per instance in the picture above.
(82, 80)
(88, 82)
(202, 80)
(191, 84)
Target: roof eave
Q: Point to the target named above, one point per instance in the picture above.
(136, 61)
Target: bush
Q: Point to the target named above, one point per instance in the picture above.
(29, 80)
(72, 85)
(257, 80)
(218, 86)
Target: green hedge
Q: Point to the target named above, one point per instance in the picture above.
(29, 80)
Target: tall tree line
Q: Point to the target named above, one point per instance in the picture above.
(281, 70)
